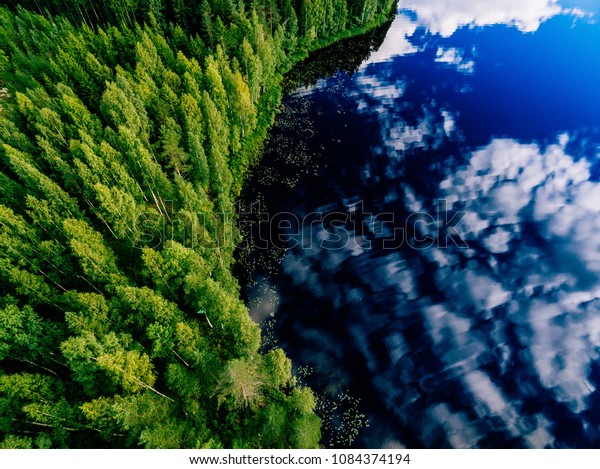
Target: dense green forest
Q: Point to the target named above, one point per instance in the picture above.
(127, 128)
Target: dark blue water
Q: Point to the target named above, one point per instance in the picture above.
(434, 267)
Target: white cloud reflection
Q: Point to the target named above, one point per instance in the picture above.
(506, 185)
(455, 57)
(526, 303)
(396, 42)
(444, 17)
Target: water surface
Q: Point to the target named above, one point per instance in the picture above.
(490, 110)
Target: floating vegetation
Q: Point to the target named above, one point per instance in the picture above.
(304, 371)
(269, 338)
(342, 419)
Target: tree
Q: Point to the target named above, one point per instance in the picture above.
(218, 146)
(173, 156)
(194, 136)
(40, 184)
(121, 106)
(120, 212)
(97, 260)
(241, 381)
(21, 334)
(206, 23)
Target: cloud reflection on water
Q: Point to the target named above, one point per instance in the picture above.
(494, 345)
(509, 310)
(509, 185)
(445, 17)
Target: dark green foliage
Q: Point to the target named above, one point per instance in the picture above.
(126, 131)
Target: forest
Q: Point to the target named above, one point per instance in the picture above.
(127, 129)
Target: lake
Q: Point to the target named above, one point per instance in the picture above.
(422, 236)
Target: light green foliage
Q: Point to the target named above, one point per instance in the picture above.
(174, 158)
(306, 432)
(96, 259)
(40, 184)
(89, 313)
(278, 368)
(16, 442)
(103, 414)
(123, 107)
(120, 211)
(20, 333)
(241, 382)
(131, 369)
